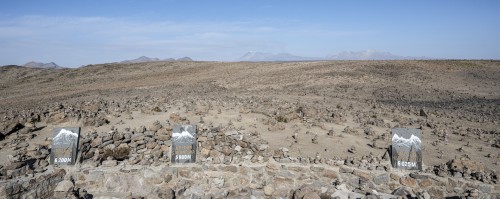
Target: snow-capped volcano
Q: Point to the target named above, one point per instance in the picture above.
(184, 136)
(65, 137)
(412, 141)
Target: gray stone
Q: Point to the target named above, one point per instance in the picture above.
(43, 163)
(109, 162)
(155, 126)
(273, 165)
(152, 176)
(64, 186)
(137, 137)
(345, 169)
(118, 136)
(117, 184)
(127, 135)
(268, 190)
(218, 182)
(458, 190)
(165, 192)
(96, 142)
(263, 147)
(220, 194)
(106, 143)
(21, 145)
(474, 193)
(95, 176)
(107, 138)
(11, 128)
(353, 182)
(424, 195)
(237, 148)
(15, 165)
(257, 194)
(346, 194)
(403, 191)
(418, 176)
(485, 188)
(109, 147)
(381, 179)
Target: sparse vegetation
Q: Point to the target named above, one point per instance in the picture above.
(282, 119)
(156, 109)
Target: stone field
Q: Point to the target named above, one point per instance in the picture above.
(260, 130)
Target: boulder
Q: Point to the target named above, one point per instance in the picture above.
(273, 165)
(457, 165)
(155, 126)
(381, 179)
(109, 162)
(10, 128)
(408, 181)
(163, 192)
(268, 190)
(405, 192)
(64, 186)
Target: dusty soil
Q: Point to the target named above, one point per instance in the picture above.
(357, 101)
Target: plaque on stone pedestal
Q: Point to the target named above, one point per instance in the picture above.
(184, 144)
(64, 146)
(406, 151)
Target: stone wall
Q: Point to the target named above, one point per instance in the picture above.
(269, 180)
(41, 186)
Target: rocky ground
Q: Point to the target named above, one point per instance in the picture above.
(265, 130)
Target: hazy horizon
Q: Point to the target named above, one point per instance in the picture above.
(92, 32)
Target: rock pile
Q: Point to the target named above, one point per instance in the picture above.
(29, 159)
(467, 169)
(40, 186)
(142, 146)
(226, 145)
(232, 162)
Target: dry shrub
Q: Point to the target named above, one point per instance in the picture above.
(119, 153)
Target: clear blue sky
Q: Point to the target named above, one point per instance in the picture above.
(75, 33)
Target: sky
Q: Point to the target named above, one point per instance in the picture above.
(76, 33)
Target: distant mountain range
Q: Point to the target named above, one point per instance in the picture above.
(369, 55)
(346, 55)
(263, 56)
(143, 59)
(50, 65)
(260, 56)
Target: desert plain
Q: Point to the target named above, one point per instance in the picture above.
(315, 129)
